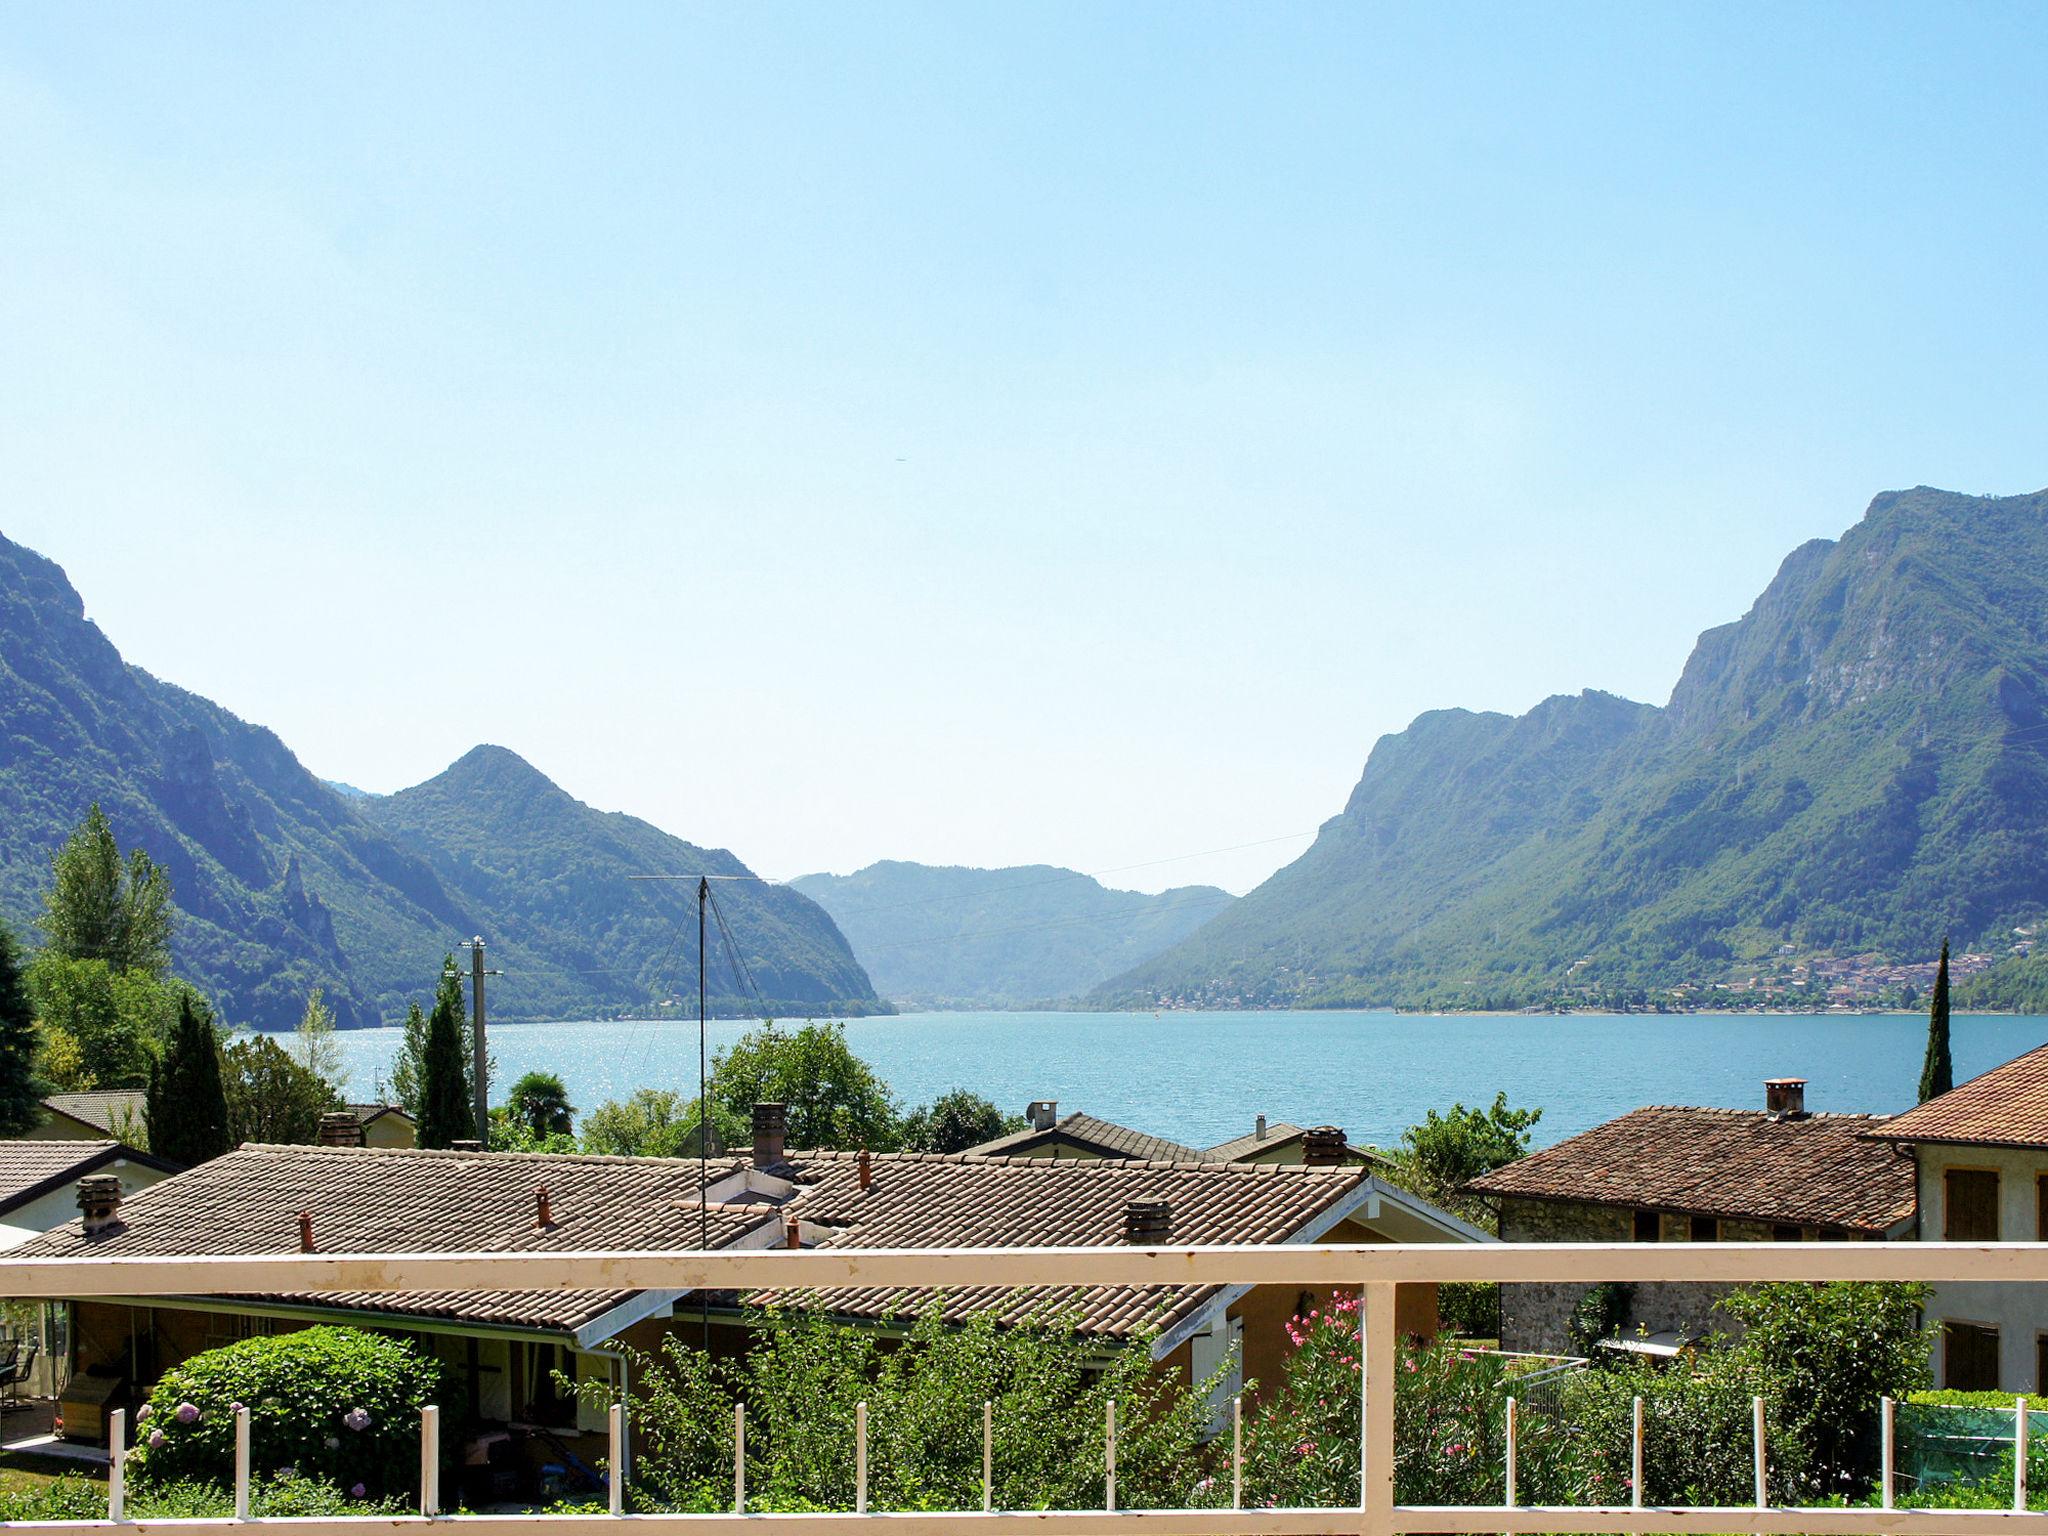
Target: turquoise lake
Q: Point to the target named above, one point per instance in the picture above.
(1199, 1078)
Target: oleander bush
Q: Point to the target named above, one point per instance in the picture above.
(334, 1406)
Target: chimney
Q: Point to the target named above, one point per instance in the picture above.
(1147, 1221)
(1259, 1129)
(1043, 1114)
(771, 1126)
(543, 1212)
(99, 1201)
(340, 1128)
(305, 1231)
(1324, 1147)
(867, 1171)
(472, 1145)
(793, 1233)
(1785, 1097)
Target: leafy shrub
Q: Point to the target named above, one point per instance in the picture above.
(335, 1405)
(1998, 1402)
(72, 1497)
(805, 1374)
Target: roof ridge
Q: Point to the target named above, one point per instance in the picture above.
(546, 1159)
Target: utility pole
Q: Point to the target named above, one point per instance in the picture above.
(480, 1065)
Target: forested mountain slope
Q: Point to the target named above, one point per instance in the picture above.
(283, 884)
(956, 937)
(1860, 763)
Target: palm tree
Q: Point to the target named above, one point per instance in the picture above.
(541, 1103)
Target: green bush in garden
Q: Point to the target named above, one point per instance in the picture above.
(806, 1373)
(334, 1405)
(72, 1497)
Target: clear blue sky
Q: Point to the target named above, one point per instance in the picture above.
(986, 434)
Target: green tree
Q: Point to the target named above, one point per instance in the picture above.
(835, 1099)
(271, 1098)
(186, 1105)
(955, 1121)
(652, 1123)
(1938, 1072)
(98, 1026)
(99, 909)
(540, 1102)
(313, 1044)
(407, 1067)
(446, 1114)
(21, 1090)
(1438, 1157)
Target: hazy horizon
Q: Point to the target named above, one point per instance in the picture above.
(1070, 435)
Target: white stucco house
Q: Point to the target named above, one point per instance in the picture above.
(1980, 1153)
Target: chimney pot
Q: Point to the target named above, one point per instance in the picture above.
(99, 1201)
(771, 1131)
(1147, 1221)
(1043, 1114)
(340, 1128)
(793, 1233)
(1324, 1146)
(1785, 1097)
(867, 1170)
(305, 1231)
(1258, 1130)
(543, 1212)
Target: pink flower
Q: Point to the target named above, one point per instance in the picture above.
(188, 1413)
(143, 1412)
(358, 1491)
(1306, 1448)
(156, 1438)
(356, 1419)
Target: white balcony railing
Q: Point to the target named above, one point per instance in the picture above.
(1374, 1269)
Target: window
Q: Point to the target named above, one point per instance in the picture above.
(1971, 1198)
(1784, 1234)
(1648, 1224)
(1706, 1229)
(1969, 1358)
(2041, 1362)
(2041, 1208)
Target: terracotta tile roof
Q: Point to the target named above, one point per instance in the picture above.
(1104, 1138)
(29, 1169)
(2005, 1107)
(1817, 1170)
(1277, 1134)
(414, 1201)
(411, 1201)
(928, 1200)
(99, 1106)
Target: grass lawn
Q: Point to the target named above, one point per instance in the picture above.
(21, 1472)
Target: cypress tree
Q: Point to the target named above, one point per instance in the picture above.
(445, 1116)
(1938, 1074)
(186, 1107)
(20, 1093)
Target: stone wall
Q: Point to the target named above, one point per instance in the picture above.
(1537, 1317)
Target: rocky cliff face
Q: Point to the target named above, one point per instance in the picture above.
(1858, 763)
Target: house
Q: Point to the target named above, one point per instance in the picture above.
(505, 1346)
(1674, 1173)
(95, 1114)
(38, 1183)
(1979, 1154)
(1049, 1134)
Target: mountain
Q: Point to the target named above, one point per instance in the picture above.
(955, 937)
(283, 884)
(1857, 765)
(557, 878)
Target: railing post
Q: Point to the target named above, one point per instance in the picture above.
(1378, 1364)
(241, 1463)
(2019, 1455)
(117, 1471)
(1756, 1408)
(430, 1460)
(1237, 1451)
(988, 1456)
(1109, 1458)
(1511, 1453)
(860, 1458)
(1635, 1469)
(616, 1428)
(1887, 1412)
(739, 1458)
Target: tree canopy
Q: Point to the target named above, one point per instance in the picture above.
(446, 1113)
(20, 1090)
(271, 1097)
(98, 908)
(186, 1107)
(835, 1099)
